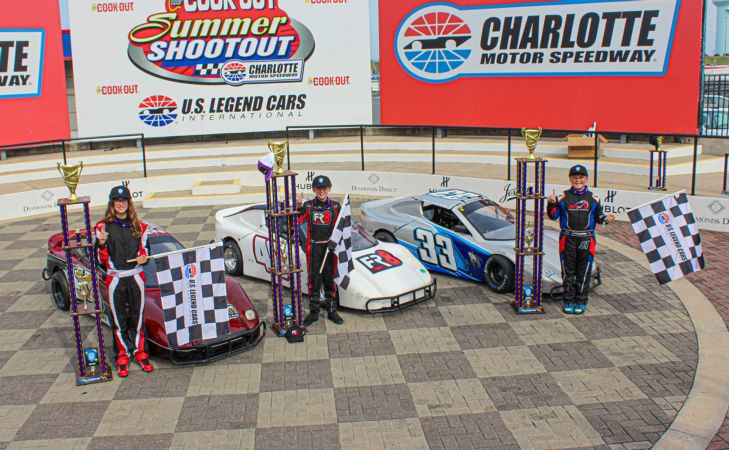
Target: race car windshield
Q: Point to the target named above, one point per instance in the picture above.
(361, 239)
(490, 220)
(160, 244)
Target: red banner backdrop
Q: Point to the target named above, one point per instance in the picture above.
(33, 101)
(630, 66)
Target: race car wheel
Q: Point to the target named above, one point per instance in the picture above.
(385, 236)
(59, 291)
(233, 258)
(499, 274)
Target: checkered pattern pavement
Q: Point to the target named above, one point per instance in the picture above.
(712, 282)
(461, 371)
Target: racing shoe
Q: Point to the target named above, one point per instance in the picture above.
(311, 318)
(568, 308)
(334, 317)
(579, 308)
(123, 370)
(145, 365)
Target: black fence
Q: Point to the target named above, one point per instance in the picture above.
(63, 144)
(510, 134)
(714, 119)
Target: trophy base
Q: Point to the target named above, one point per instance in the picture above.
(281, 330)
(527, 309)
(94, 377)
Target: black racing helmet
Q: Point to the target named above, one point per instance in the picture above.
(321, 181)
(119, 192)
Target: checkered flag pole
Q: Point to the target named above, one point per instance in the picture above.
(193, 294)
(340, 243)
(669, 237)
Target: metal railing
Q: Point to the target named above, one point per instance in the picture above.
(510, 132)
(138, 137)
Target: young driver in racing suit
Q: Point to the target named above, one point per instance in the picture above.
(320, 216)
(578, 211)
(121, 236)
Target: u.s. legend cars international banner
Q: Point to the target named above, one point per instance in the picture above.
(186, 67)
(629, 65)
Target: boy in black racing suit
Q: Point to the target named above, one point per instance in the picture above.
(320, 215)
(578, 211)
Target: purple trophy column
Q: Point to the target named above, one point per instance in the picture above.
(92, 253)
(297, 259)
(72, 291)
(650, 172)
(539, 230)
(277, 237)
(288, 208)
(665, 170)
(269, 220)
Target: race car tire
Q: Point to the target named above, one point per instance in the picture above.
(60, 291)
(498, 273)
(232, 257)
(385, 236)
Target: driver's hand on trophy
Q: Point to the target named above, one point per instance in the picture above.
(300, 200)
(552, 198)
(610, 218)
(101, 237)
(142, 260)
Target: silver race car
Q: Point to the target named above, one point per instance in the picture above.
(461, 233)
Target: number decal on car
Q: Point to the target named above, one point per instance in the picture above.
(436, 249)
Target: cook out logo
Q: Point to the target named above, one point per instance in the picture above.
(158, 111)
(214, 42)
(440, 42)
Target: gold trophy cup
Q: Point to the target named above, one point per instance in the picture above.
(70, 176)
(529, 233)
(658, 142)
(531, 136)
(279, 149)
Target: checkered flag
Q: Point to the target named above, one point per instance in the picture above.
(194, 298)
(340, 243)
(669, 237)
(210, 69)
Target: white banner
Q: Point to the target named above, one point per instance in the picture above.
(440, 42)
(21, 62)
(187, 67)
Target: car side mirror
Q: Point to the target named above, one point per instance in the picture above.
(460, 228)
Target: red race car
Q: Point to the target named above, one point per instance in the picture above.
(246, 328)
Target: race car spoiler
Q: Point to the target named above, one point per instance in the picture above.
(404, 300)
(216, 349)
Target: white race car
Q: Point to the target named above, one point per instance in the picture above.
(386, 277)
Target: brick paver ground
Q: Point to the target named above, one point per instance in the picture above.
(712, 282)
(461, 371)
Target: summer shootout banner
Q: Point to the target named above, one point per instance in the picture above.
(33, 105)
(186, 67)
(629, 65)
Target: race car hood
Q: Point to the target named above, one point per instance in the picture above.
(387, 270)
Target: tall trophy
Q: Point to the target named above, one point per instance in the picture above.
(661, 158)
(92, 366)
(529, 233)
(283, 233)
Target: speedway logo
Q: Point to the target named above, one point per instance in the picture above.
(158, 111)
(440, 42)
(214, 42)
(21, 62)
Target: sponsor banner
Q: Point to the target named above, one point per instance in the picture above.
(711, 213)
(560, 64)
(32, 80)
(185, 67)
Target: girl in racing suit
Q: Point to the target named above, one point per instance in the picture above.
(121, 236)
